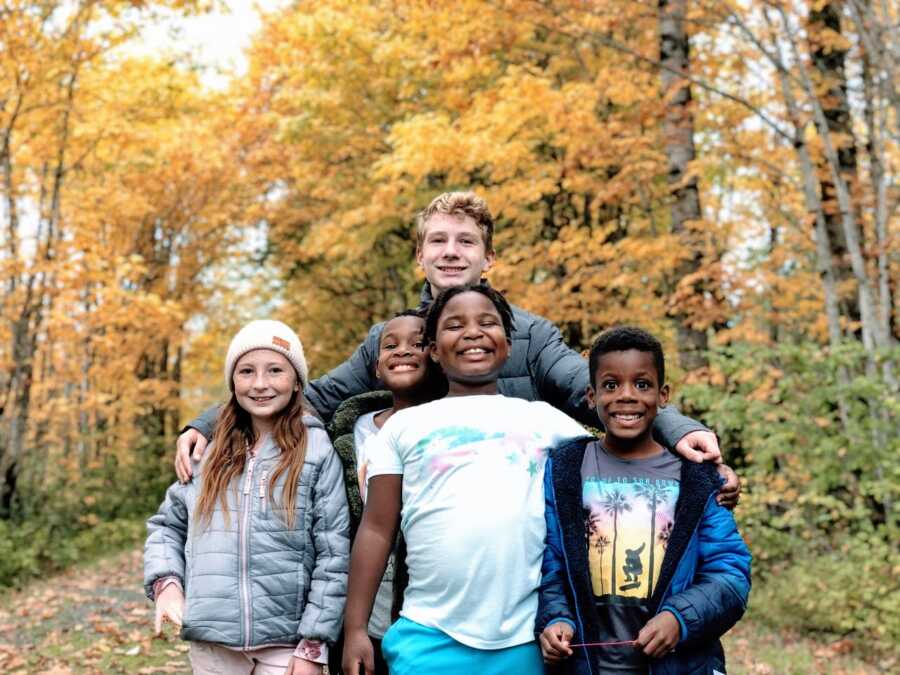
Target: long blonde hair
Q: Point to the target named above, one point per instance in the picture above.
(233, 437)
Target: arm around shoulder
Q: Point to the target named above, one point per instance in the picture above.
(354, 376)
(670, 426)
(560, 373)
(206, 423)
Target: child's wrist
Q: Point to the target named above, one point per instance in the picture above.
(315, 651)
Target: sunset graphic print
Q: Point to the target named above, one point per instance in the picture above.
(628, 523)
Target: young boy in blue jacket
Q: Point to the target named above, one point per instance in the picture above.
(643, 571)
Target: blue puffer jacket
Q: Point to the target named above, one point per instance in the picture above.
(704, 579)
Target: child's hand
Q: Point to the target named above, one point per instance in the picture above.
(358, 653)
(169, 607)
(555, 642)
(298, 666)
(660, 635)
(730, 492)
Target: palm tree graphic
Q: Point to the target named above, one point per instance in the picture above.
(601, 544)
(653, 493)
(615, 503)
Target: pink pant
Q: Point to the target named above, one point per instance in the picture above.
(211, 659)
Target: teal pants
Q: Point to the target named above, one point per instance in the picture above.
(413, 649)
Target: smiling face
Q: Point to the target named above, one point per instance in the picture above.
(264, 382)
(452, 252)
(627, 395)
(471, 344)
(402, 356)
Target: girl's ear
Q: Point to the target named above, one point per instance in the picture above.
(432, 352)
(378, 368)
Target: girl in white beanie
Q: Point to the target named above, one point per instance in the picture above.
(258, 541)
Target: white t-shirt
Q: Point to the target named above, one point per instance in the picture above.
(363, 432)
(473, 511)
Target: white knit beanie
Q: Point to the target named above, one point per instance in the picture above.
(266, 334)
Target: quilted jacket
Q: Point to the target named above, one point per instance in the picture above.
(704, 579)
(249, 580)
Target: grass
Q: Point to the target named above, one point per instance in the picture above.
(95, 619)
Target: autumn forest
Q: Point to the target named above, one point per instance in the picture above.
(721, 172)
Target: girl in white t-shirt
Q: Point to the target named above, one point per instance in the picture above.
(468, 470)
(411, 378)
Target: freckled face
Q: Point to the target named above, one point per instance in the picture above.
(471, 344)
(264, 382)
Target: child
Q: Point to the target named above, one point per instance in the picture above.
(411, 378)
(639, 554)
(469, 468)
(259, 540)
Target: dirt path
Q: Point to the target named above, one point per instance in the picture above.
(96, 620)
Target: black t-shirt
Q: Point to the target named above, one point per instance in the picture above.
(629, 511)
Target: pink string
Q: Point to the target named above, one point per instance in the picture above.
(620, 643)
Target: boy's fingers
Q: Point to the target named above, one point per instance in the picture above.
(183, 456)
(699, 446)
(199, 447)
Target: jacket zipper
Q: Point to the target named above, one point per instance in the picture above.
(246, 508)
(262, 493)
(569, 573)
(665, 594)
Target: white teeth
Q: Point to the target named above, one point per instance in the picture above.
(403, 367)
(475, 350)
(626, 418)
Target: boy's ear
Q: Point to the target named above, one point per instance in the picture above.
(489, 259)
(591, 397)
(663, 395)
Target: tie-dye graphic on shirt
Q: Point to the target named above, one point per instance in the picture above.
(628, 521)
(449, 447)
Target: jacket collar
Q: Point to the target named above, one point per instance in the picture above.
(353, 408)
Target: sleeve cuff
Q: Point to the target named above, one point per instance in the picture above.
(372, 472)
(562, 619)
(164, 582)
(677, 615)
(312, 650)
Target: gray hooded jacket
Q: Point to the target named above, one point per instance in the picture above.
(250, 581)
(541, 367)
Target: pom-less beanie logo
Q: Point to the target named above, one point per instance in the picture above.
(279, 342)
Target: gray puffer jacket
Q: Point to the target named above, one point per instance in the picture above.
(541, 367)
(250, 581)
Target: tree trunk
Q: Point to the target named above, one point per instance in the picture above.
(678, 131)
(829, 59)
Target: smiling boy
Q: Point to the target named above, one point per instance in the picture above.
(454, 246)
(640, 558)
